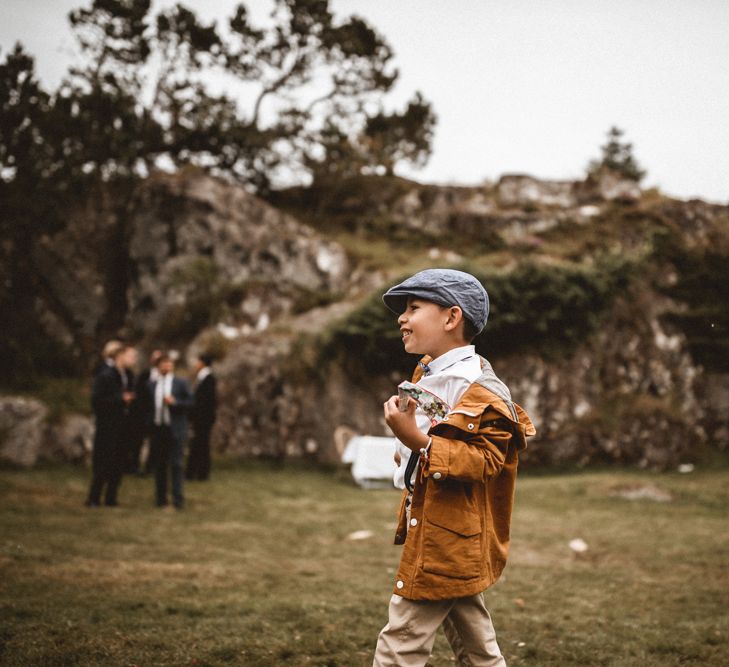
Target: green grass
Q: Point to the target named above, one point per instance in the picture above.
(258, 570)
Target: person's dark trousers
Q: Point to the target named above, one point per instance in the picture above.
(168, 455)
(107, 472)
(198, 461)
(150, 465)
(134, 451)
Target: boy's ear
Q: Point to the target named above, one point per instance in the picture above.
(455, 317)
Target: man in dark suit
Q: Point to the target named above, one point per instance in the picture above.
(202, 417)
(109, 400)
(171, 400)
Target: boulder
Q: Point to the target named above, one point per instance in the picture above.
(69, 440)
(22, 429)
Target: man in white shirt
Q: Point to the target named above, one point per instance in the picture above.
(171, 400)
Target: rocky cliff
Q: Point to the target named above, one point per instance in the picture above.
(604, 321)
(600, 357)
(176, 254)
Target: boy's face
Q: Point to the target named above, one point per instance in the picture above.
(422, 326)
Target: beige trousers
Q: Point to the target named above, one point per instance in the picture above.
(407, 639)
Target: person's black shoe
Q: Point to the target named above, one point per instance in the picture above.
(91, 503)
(112, 503)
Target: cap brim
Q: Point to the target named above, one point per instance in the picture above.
(397, 301)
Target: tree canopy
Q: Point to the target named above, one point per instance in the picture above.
(302, 94)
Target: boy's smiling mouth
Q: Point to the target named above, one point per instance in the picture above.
(405, 333)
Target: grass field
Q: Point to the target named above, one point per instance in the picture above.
(258, 570)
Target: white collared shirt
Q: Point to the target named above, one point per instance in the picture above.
(448, 377)
(204, 372)
(161, 409)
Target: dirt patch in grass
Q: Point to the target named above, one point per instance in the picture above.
(636, 491)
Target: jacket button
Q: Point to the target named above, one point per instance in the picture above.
(400, 584)
(413, 522)
(437, 475)
(470, 427)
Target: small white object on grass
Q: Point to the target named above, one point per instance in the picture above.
(360, 535)
(686, 467)
(578, 545)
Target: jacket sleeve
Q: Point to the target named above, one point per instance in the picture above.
(105, 393)
(469, 447)
(205, 401)
(183, 396)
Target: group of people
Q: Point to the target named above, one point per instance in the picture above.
(157, 406)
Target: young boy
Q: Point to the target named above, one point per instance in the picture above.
(459, 475)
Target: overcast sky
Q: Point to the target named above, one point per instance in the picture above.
(528, 86)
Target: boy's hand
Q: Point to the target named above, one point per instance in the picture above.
(403, 424)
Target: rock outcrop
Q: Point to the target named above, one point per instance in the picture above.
(204, 261)
(191, 232)
(26, 436)
(278, 402)
(174, 254)
(629, 395)
(519, 190)
(22, 430)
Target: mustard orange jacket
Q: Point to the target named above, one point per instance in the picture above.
(456, 540)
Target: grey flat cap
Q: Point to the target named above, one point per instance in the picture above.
(446, 287)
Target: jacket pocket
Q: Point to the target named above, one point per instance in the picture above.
(452, 543)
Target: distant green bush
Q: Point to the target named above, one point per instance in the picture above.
(548, 309)
(535, 307)
(700, 287)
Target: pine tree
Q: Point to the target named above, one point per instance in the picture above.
(617, 156)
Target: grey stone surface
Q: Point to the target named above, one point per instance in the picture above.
(615, 400)
(182, 237)
(516, 190)
(22, 429)
(69, 440)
